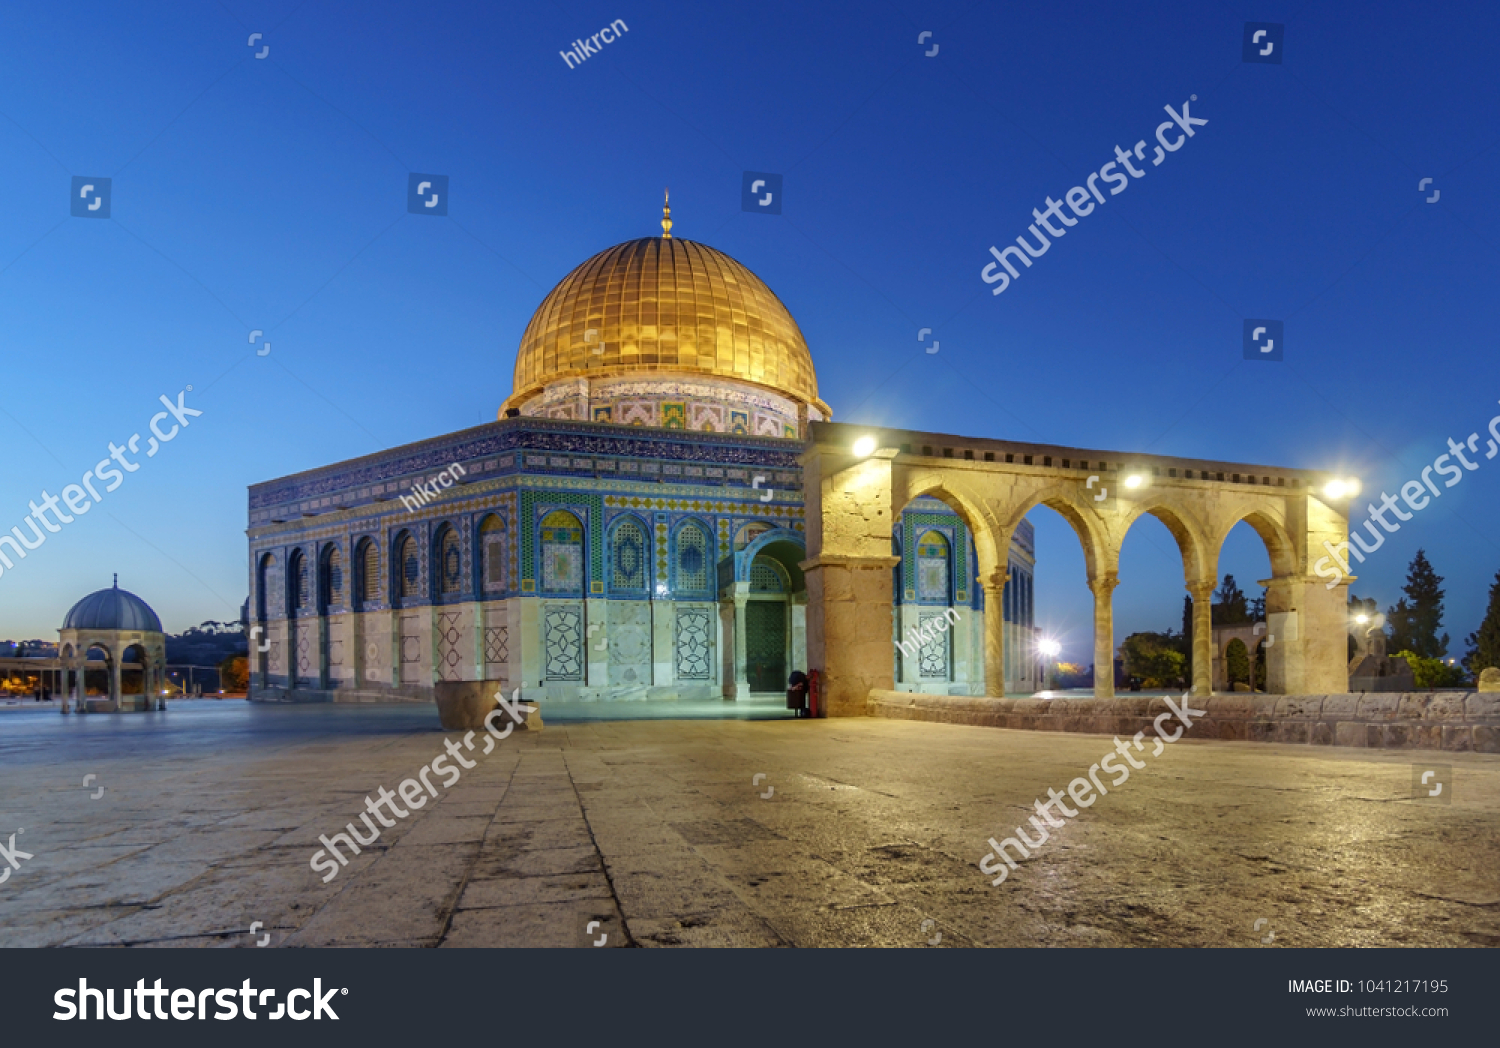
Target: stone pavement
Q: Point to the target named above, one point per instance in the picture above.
(653, 829)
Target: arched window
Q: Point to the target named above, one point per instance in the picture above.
(450, 561)
(767, 576)
(561, 542)
(691, 559)
(934, 569)
(263, 583)
(628, 558)
(298, 576)
(408, 569)
(367, 574)
(492, 553)
(332, 583)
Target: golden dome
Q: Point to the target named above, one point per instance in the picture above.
(667, 306)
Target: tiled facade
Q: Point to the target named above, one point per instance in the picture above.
(571, 560)
(576, 560)
(938, 571)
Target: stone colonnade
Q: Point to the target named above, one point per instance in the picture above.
(992, 485)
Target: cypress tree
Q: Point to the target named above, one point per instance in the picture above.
(1415, 619)
(1485, 641)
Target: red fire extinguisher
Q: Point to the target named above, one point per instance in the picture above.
(815, 693)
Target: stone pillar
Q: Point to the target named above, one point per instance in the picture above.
(1310, 622)
(1203, 638)
(994, 634)
(724, 675)
(797, 650)
(848, 570)
(849, 629)
(1103, 587)
(741, 652)
(116, 686)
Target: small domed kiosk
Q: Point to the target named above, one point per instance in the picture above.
(111, 642)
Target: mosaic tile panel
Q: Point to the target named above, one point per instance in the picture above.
(588, 507)
(561, 536)
(411, 649)
(497, 653)
(953, 528)
(629, 557)
(932, 659)
(449, 640)
(562, 641)
(692, 562)
(694, 648)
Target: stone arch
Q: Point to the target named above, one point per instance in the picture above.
(1280, 548)
(1100, 555)
(785, 546)
(136, 652)
(991, 542)
(1199, 558)
(105, 653)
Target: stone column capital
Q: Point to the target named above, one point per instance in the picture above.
(1104, 584)
(995, 581)
(1202, 589)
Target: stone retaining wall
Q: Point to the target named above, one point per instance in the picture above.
(1456, 721)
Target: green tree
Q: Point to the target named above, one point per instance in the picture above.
(1232, 607)
(1237, 662)
(1155, 658)
(1415, 619)
(1484, 643)
(1433, 673)
(1258, 607)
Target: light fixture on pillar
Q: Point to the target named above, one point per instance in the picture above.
(1342, 488)
(864, 447)
(1135, 480)
(1361, 618)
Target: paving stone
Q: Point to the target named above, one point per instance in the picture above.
(654, 828)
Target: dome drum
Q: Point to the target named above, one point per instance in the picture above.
(674, 402)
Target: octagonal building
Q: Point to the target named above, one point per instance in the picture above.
(631, 526)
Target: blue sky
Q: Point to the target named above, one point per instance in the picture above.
(270, 194)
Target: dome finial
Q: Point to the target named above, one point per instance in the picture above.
(666, 215)
(117, 580)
